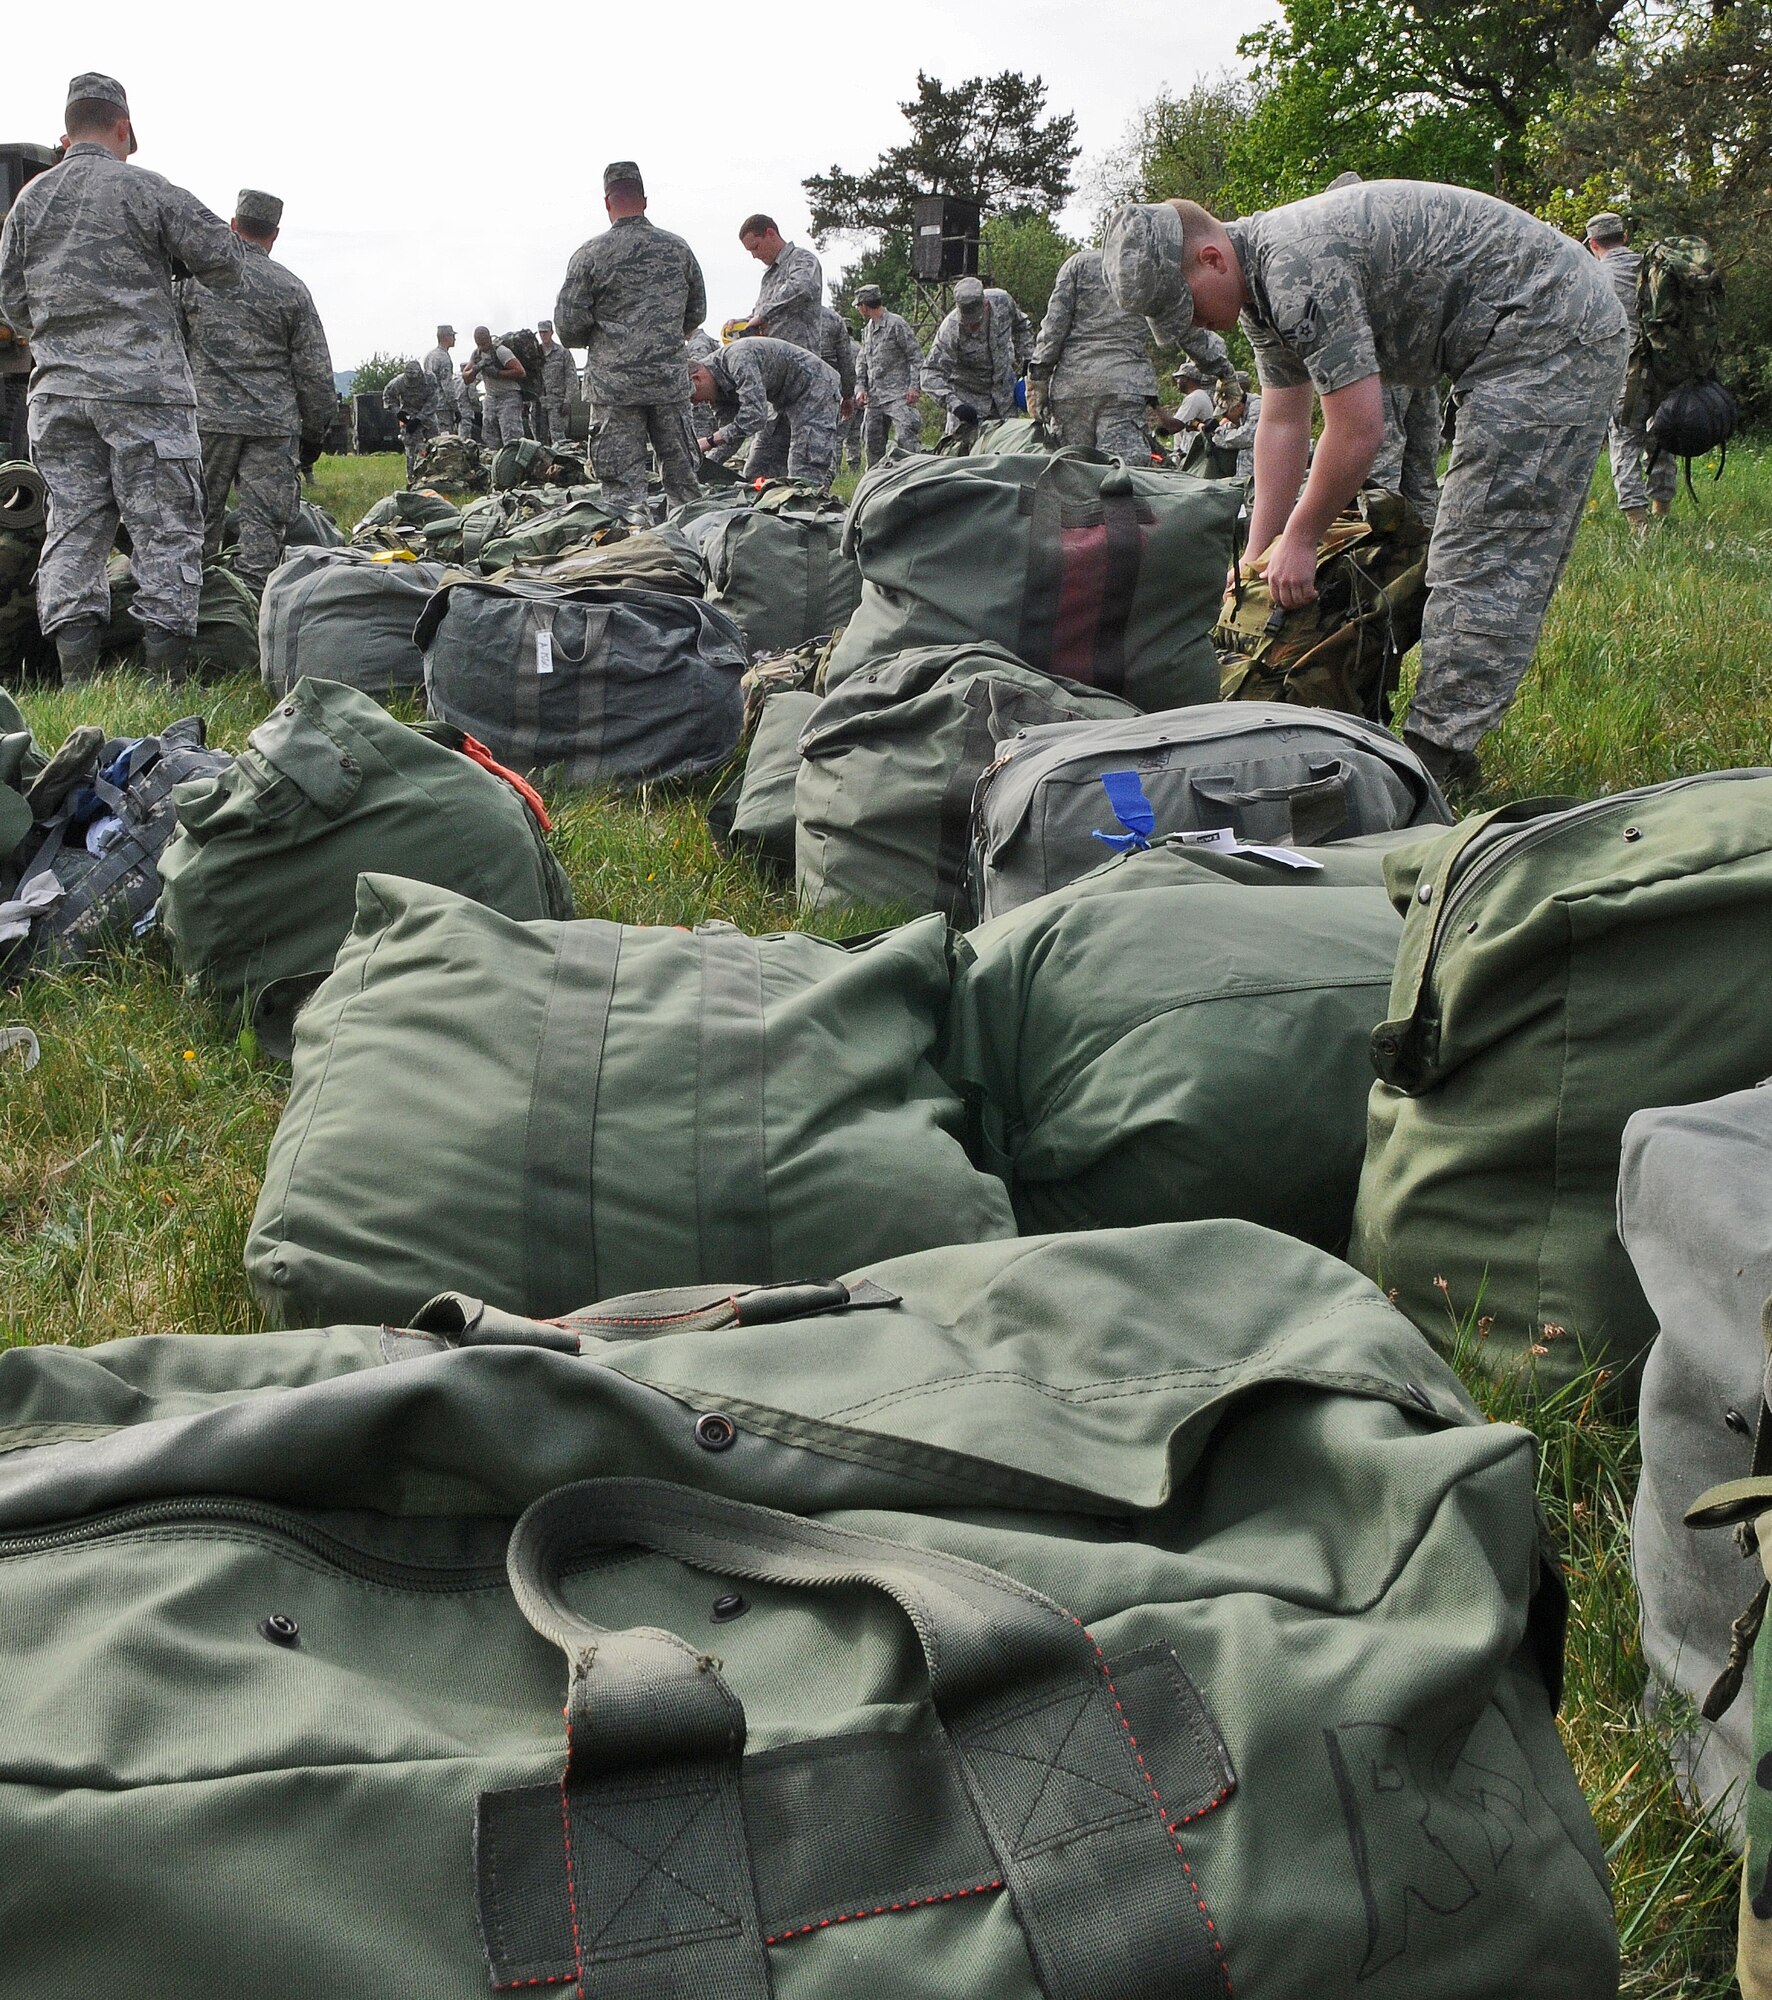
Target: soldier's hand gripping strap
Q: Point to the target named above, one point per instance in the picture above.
(667, 1862)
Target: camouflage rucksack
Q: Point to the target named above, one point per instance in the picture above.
(1344, 649)
(525, 344)
(22, 646)
(1673, 367)
(453, 462)
(526, 462)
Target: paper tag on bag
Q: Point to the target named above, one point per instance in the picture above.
(1223, 840)
(544, 651)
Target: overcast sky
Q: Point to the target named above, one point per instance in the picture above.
(436, 168)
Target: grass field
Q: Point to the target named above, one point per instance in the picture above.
(129, 1158)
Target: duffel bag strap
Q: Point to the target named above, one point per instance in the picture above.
(660, 1881)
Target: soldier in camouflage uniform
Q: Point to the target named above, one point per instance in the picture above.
(86, 275)
(559, 378)
(887, 377)
(1408, 281)
(440, 367)
(265, 399)
(836, 348)
(632, 296)
(499, 375)
(752, 380)
(412, 397)
(1235, 428)
(701, 415)
(1645, 480)
(790, 307)
(1091, 366)
(978, 352)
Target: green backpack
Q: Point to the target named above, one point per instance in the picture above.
(603, 1108)
(779, 572)
(1562, 967)
(1148, 1045)
(1679, 313)
(1146, 1614)
(259, 884)
(227, 621)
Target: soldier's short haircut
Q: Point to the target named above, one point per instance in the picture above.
(756, 225)
(91, 114)
(1198, 225)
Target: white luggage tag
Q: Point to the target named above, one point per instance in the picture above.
(1223, 840)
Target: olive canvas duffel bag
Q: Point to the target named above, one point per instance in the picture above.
(345, 615)
(1098, 1618)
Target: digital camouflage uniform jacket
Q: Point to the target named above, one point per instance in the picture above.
(755, 375)
(1089, 346)
(631, 296)
(88, 260)
(836, 348)
(978, 365)
(891, 358)
(258, 354)
(791, 298)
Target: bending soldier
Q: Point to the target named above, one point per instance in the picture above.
(755, 382)
(1405, 281)
(88, 260)
(412, 396)
(265, 398)
(977, 354)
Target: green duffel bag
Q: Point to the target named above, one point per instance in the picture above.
(606, 687)
(605, 1108)
(1136, 1048)
(1099, 1618)
(1106, 574)
(226, 643)
(780, 573)
(410, 507)
(883, 802)
(345, 615)
(1562, 967)
(1053, 796)
(754, 812)
(461, 538)
(577, 524)
(259, 884)
(313, 527)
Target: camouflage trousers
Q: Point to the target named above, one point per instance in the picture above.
(415, 434)
(501, 421)
(800, 441)
(1111, 424)
(848, 438)
(103, 462)
(1636, 477)
(618, 455)
(892, 419)
(1408, 461)
(1509, 509)
(266, 472)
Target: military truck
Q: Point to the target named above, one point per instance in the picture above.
(18, 164)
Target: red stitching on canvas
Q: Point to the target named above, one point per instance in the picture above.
(542, 1979)
(882, 1910)
(578, 1957)
(1169, 1826)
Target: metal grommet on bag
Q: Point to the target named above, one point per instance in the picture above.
(281, 1629)
(732, 1605)
(715, 1432)
(1633, 833)
(1735, 1421)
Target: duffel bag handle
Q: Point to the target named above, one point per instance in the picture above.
(1316, 807)
(1080, 1839)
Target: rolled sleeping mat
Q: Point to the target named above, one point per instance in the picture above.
(22, 499)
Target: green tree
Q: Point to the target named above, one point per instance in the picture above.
(1178, 144)
(1421, 89)
(988, 138)
(377, 372)
(1022, 253)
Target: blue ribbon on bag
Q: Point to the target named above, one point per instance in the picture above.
(1132, 809)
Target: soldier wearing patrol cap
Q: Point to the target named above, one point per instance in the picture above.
(1644, 480)
(559, 377)
(265, 396)
(886, 377)
(441, 370)
(631, 297)
(978, 352)
(87, 265)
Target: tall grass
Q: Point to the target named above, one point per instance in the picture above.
(129, 1159)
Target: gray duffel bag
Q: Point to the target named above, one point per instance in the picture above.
(1694, 1193)
(610, 687)
(339, 614)
(1268, 774)
(754, 814)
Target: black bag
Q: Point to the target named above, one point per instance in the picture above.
(1694, 419)
(525, 344)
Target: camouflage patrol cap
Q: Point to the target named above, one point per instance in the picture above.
(257, 209)
(1141, 263)
(544, 326)
(619, 173)
(446, 333)
(1606, 227)
(869, 295)
(93, 85)
(1347, 180)
(969, 296)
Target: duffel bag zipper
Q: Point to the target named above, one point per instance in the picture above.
(284, 1524)
(1483, 857)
